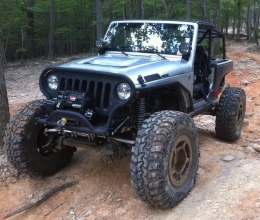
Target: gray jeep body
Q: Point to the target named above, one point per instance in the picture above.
(172, 80)
(135, 98)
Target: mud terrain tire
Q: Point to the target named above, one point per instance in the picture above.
(24, 139)
(230, 113)
(165, 158)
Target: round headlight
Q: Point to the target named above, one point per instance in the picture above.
(52, 82)
(123, 91)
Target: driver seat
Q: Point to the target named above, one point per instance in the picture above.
(200, 69)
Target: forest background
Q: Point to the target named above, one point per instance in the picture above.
(40, 28)
(49, 28)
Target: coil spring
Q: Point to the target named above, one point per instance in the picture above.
(141, 113)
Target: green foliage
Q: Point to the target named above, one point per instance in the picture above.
(75, 21)
(21, 51)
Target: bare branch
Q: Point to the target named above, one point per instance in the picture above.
(40, 199)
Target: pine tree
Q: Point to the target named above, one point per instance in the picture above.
(4, 107)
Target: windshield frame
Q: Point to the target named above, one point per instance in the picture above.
(192, 37)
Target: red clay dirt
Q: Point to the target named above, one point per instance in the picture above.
(223, 190)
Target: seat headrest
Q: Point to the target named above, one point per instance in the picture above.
(200, 49)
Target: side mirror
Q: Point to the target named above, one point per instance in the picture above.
(100, 43)
(185, 48)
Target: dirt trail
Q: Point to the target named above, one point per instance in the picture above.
(223, 190)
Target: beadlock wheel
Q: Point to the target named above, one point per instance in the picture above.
(165, 158)
(180, 161)
(25, 143)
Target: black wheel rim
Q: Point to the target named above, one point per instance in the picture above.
(180, 161)
(42, 140)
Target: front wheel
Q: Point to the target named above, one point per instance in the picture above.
(25, 143)
(230, 114)
(165, 158)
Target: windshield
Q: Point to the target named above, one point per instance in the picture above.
(148, 37)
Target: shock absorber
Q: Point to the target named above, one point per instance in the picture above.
(141, 113)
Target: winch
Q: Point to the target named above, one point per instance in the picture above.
(81, 102)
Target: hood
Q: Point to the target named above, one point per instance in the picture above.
(131, 65)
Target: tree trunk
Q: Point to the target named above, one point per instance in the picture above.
(203, 10)
(100, 19)
(4, 107)
(162, 6)
(234, 25)
(247, 23)
(216, 41)
(111, 10)
(188, 12)
(226, 20)
(154, 9)
(249, 18)
(30, 39)
(51, 34)
(227, 23)
(238, 18)
(140, 9)
(131, 9)
(256, 28)
(217, 15)
(124, 11)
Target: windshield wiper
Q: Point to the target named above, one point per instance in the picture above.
(160, 55)
(118, 48)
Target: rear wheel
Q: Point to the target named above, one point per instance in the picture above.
(230, 113)
(28, 148)
(165, 158)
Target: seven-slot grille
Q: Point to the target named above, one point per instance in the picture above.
(99, 90)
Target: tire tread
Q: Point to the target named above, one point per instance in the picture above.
(226, 113)
(147, 167)
(16, 136)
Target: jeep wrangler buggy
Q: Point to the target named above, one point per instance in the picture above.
(138, 97)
